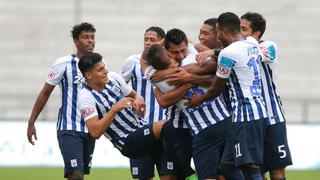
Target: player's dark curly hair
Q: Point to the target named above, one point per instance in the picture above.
(230, 21)
(258, 23)
(160, 32)
(88, 61)
(176, 37)
(77, 29)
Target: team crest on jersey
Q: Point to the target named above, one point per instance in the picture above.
(87, 112)
(223, 70)
(51, 75)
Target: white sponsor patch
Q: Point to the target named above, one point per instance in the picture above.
(135, 171)
(146, 132)
(170, 165)
(73, 162)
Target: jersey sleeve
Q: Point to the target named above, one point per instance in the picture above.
(125, 88)
(269, 51)
(226, 62)
(87, 105)
(56, 72)
(127, 68)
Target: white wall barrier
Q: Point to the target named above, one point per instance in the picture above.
(15, 149)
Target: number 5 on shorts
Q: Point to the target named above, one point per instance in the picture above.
(282, 151)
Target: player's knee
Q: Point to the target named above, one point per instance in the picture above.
(75, 175)
(229, 171)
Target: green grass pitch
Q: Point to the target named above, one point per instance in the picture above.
(110, 174)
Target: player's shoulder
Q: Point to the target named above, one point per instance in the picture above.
(85, 93)
(114, 76)
(63, 60)
(133, 58)
(268, 44)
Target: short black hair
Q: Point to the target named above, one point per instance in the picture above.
(258, 23)
(88, 61)
(230, 21)
(211, 22)
(160, 32)
(176, 37)
(155, 57)
(77, 29)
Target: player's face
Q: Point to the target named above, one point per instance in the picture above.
(180, 51)
(150, 38)
(208, 36)
(98, 75)
(85, 42)
(221, 35)
(245, 27)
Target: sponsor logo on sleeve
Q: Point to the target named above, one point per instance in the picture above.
(51, 75)
(87, 112)
(223, 70)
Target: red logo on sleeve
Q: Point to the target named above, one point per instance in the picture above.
(223, 70)
(51, 75)
(87, 112)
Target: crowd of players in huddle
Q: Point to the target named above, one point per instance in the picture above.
(214, 101)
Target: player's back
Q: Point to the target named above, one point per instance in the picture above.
(240, 62)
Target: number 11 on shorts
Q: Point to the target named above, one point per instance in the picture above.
(237, 147)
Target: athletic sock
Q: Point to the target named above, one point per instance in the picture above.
(252, 173)
(174, 149)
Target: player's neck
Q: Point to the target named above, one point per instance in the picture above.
(234, 38)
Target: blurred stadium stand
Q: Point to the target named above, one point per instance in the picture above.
(36, 32)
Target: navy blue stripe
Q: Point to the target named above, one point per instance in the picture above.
(249, 108)
(213, 114)
(59, 119)
(272, 92)
(239, 96)
(64, 100)
(195, 121)
(151, 105)
(120, 127)
(160, 113)
(134, 80)
(181, 119)
(99, 112)
(114, 136)
(220, 108)
(204, 117)
(74, 94)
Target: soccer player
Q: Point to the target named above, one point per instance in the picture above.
(107, 104)
(277, 154)
(209, 45)
(75, 142)
(209, 123)
(238, 64)
(143, 168)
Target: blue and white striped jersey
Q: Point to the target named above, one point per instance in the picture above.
(209, 113)
(268, 76)
(240, 63)
(94, 103)
(131, 71)
(66, 73)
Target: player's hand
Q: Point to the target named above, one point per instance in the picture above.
(31, 132)
(181, 77)
(126, 102)
(194, 101)
(203, 56)
(139, 106)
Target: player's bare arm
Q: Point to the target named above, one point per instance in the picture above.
(37, 108)
(165, 100)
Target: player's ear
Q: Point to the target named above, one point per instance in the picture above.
(87, 75)
(256, 34)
